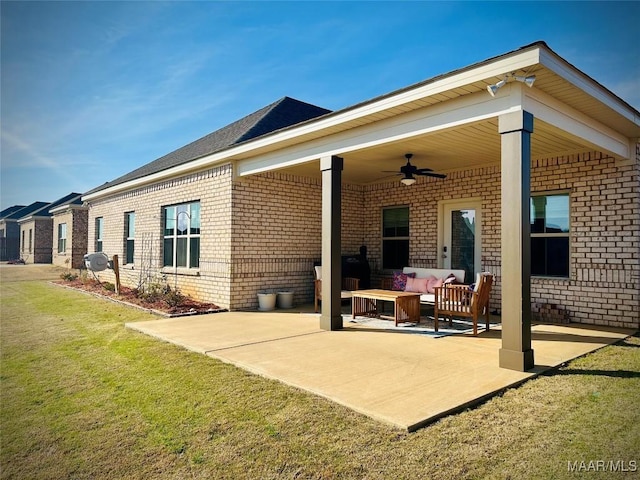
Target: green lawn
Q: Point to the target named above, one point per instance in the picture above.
(83, 397)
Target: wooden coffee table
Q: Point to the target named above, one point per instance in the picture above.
(406, 305)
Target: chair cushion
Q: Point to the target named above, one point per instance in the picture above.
(428, 298)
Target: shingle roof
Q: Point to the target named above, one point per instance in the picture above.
(9, 210)
(283, 113)
(42, 210)
(73, 198)
(26, 211)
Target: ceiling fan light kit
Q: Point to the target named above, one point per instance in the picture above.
(408, 171)
(408, 181)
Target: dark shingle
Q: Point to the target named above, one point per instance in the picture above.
(281, 114)
(28, 210)
(10, 210)
(41, 209)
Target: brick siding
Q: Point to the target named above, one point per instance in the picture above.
(41, 247)
(264, 232)
(77, 232)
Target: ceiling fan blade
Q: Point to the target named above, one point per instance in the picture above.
(391, 171)
(436, 175)
(422, 171)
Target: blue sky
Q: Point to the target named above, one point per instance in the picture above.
(93, 90)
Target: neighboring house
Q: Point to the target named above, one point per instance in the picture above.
(70, 233)
(10, 229)
(9, 234)
(36, 231)
(546, 178)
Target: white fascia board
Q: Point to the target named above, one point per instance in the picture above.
(588, 85)
(461, 111)
(558, 114)
(33, 218)
(491, 70)
(69, 207)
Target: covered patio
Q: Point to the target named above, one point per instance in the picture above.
(405, 380)
(454, 125)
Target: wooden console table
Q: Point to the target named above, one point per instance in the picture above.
(406, 305)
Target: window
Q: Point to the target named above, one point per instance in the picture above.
(395, 237)
(181, 246)
(62, 237)
(23, 233)
(99, 233)
(30, 239)
(550, 235)
(129, 234)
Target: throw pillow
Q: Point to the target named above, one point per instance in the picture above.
(400, 280)
(417, 285)
(437, 282)
(451, 279)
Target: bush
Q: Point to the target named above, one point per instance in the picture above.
(158, 291)
(68, 276)
(109, 286)
(173, 298)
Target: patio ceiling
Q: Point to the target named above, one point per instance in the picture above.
(451, 122)
(454, 149)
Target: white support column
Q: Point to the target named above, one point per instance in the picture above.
(331, 312)
(515, 130)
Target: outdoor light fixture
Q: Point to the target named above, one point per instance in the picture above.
(528, 81)
(408, 181)
(492, 89)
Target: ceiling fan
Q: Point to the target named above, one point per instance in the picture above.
(408, 171)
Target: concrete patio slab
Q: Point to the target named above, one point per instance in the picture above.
(405, 380)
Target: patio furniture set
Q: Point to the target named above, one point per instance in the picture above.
(442, 289)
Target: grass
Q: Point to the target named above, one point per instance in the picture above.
(83, 397)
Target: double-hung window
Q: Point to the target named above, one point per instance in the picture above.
(395, 237)
(129, 235)
(62, 237)
(99, 233)
(182, 235)
(550, 235)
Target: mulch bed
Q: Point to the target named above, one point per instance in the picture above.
(188, 306)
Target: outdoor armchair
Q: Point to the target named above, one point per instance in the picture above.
(463, 301)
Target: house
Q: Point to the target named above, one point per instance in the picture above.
(36, 230)
(9, 234)
(10, 229)
(70, 232)
(542, 165)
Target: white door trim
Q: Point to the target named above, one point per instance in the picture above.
(444, 207)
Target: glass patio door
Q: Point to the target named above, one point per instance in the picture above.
(461, 243)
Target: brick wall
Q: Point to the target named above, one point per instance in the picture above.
(264, 232)
(212, 188)
(604, 287)
(604, 283)
(76, 220)
(277, 227)
(42, 240)
(423, 199)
